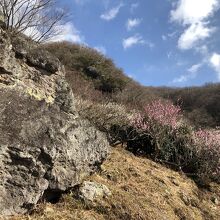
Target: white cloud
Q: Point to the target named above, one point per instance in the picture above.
(135, 40)
(181, 79)
(32, 32)
(131, 41)
(194, 68)
(169, 36)
(81, 2)
(132, 23)
(169, 54)
(202, 49)
(215, 63)
(192, 11)
(194, 34)
(164, 37)
(191, 74)
(194, 15)
(68, 33)
(112, 13)
(101, 49)
(134, 6)
(131, 76)
(172, 34)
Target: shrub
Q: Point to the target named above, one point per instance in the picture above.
(208, 154)
(109, 117)
(83, 88)
(91, 64)
(161, 124)
(164, 113)
(160, 132)
(200, 104)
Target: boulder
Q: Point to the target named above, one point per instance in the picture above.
(45, 147)
(89, 191)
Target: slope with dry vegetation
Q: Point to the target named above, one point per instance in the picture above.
(151, 127)
(141, 190)
(94, 76)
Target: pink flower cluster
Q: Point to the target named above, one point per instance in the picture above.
(140, 122)
(207, 138)
(164, 113)
(209, 142)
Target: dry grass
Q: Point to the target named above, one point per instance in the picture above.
(141, 190)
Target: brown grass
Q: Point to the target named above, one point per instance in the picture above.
(141, 190)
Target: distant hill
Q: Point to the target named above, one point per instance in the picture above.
(94, 76)
(89, 71)
(201, 104)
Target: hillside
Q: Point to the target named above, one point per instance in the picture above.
(94, 76)
(201, 104)
(99, 79)
(141, 190)
(81, 140)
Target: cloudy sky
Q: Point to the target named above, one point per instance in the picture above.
(162, 42)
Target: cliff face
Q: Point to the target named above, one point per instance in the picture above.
(45, 148)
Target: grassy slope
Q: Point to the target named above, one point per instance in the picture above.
(141, 190)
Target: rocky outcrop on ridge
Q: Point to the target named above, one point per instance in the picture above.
(45, 147)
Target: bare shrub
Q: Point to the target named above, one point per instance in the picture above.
(83, 88)
(39, 19)
(111, 118)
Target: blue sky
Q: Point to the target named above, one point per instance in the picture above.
(158, 43)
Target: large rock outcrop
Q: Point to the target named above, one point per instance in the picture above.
(45, 148)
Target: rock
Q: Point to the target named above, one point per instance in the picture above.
(22, 46)
(215, 200)
(45, 147)
(92, 72)
(90, 191)
(1, 16)
(34, 55)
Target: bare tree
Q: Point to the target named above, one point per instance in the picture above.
(39, 19)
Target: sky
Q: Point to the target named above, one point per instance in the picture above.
(171, 43)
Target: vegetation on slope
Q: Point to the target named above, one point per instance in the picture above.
(94, 76)
(201, 104)
(150, 127)
(141, 189)
(129, 113)
(91, 65)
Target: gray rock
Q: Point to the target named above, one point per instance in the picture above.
(92, 72)
(35, 55)
(45, 147)
(1, 16)
(215, 200)
(90, 191)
